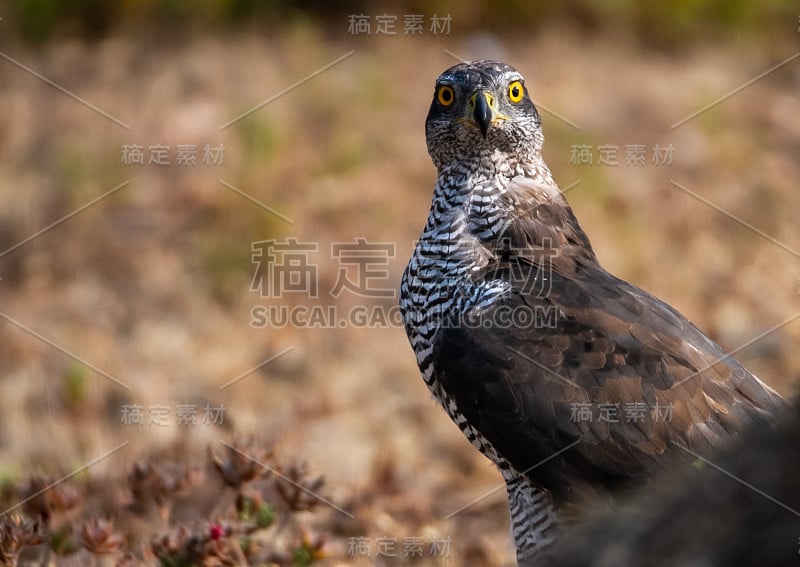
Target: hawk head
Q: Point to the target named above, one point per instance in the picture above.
(480, 108)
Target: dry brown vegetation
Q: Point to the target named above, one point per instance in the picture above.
(151, 285)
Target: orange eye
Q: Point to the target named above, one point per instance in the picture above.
(445, 95)
(515, 91)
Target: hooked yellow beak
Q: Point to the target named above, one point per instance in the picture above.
(481, 111)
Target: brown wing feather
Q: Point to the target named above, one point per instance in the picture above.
(611, 343)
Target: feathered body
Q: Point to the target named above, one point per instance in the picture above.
(515, 324)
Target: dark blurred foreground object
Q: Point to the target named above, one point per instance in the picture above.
(741, 508)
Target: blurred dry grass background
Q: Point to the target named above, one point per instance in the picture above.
(151, 284)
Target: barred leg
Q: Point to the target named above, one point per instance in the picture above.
(534, 520)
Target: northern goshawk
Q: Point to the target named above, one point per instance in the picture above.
(515, 325)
